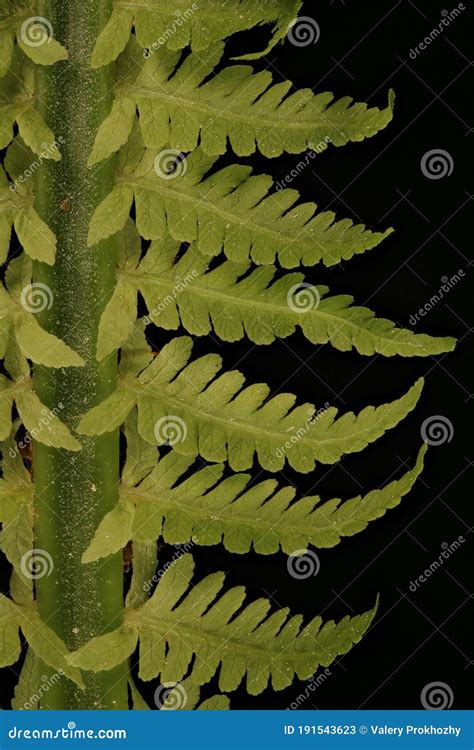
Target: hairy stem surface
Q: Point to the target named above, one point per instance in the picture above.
(75, 490)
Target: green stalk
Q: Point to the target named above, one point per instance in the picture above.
(75, 490)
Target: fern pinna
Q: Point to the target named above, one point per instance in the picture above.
(112, 111)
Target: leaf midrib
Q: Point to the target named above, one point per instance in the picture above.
(258, 118)
(279, 309)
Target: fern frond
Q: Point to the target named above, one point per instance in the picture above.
(234, 303)
(189, 24)
(179, 623)
(178, 108)
(217, 418)
(229, 210)
(209, 510)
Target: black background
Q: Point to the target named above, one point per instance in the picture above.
(421, 637)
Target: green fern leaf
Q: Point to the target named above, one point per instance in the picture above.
(213, 417)
(209, 510)
(234, 303)
(195, 24)
(238, 105)
(253, 643)
(230, 211)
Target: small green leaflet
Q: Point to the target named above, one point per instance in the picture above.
(35, 236)
(18, 102)
(20, 305)
(214, 416)
(106, 651)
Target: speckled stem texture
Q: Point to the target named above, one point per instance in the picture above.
(75, 490)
